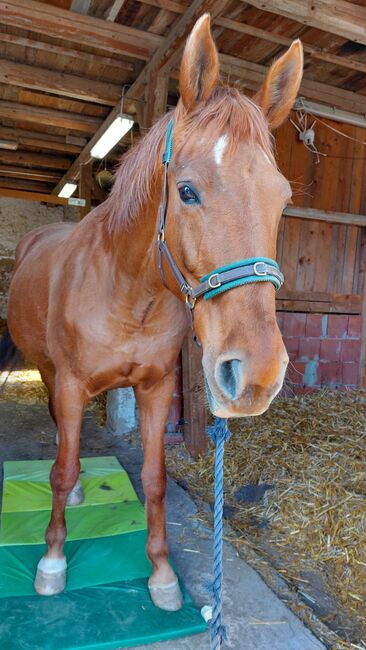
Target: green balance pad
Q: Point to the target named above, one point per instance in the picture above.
(106, 603)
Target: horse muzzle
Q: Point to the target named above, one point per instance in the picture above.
(237, 388)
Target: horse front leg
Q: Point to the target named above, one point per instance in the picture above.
(154, 405)
(69, 405)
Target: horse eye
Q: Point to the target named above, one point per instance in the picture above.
(187, 195)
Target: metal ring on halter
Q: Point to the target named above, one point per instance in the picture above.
(190, 302)
(256, 268)
(214, 276)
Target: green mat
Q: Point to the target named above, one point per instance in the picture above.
(106, 603)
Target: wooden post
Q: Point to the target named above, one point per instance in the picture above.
(84, 187)
(156, 98)
(362, 370)
(194, 400)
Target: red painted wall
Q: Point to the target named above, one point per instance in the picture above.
(324, 350)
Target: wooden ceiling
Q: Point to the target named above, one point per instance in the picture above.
(64, 63)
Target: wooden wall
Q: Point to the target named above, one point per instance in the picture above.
(321, 261)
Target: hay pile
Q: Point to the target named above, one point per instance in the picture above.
(23, 386)
(312, 525)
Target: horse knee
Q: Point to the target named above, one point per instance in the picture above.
(154, 487)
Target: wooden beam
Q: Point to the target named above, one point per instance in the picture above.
(323, 215)
(20, 184)
(62, 24)
(113, 11)
(362, 366)
(58, 83)
(272, 37)
(343, 18)
(42, 141)
(171, 44)
(80, 55)
(33, 196)
(34, 159)
(48, 117)
(317, 301)
(156, 98)
(251, 75)
(85, 187)
(32, 174)
(194, 402)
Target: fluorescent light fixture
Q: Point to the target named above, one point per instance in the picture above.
(121, 125)
(67, 190)
(330, 112)
(12, 145)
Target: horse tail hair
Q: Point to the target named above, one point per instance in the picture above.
(9, 353)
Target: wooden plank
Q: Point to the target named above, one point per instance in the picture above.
(58, 83)
(341, 17)
(80, 55)
(48, 117)
(34, 159)
(44, 141)
(325, 215)
(162, 57)
(85, 30)
(20, 184)
(32, 174)
(33, 196)
(113, 11)
(194, 402)
(348, 305)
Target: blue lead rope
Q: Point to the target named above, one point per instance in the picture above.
(218, 433)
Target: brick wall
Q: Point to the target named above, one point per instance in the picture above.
(324, 349)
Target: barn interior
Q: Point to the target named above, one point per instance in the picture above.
(69, 69)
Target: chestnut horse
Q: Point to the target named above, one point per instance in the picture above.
(88, 307)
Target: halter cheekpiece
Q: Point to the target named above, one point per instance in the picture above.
(248, 271)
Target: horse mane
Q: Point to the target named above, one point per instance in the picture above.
(234, 114)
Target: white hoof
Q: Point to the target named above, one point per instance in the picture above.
(168, 597)
(76, 496)
(51, 576)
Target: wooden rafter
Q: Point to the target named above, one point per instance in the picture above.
(58, 83)
(272, 37)
(343, 18)
(48, 117)
(42, 141)
(32, 174)
(32, 196)
(113, 11)
(85, 57)
(85, 30)
(26, 158)
(165, 53)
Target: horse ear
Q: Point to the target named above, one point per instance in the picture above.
(281, 85)
(199, 69)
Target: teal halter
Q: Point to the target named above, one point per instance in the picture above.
(248, 271)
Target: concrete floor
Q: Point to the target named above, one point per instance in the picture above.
(255, 618)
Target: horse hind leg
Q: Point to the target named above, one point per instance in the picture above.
(69, 405)
(76, 496)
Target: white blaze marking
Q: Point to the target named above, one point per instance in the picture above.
(219, 149)
(265, 155)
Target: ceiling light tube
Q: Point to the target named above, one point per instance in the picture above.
(330, 112)
(119, 127)
(67, 190)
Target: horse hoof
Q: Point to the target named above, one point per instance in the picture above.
(168, 597)
(76, 496)
(50, 577)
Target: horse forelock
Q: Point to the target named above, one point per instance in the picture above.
(231, 113)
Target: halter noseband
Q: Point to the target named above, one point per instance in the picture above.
(248, 271)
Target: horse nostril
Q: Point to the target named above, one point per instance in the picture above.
(228, 378)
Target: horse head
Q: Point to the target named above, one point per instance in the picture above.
(225, 197)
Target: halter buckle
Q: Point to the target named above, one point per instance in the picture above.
(214, 276)
(257, 271)
(190, 302)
